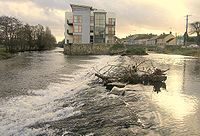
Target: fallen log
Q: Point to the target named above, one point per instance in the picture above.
(144, 79)
(120, 75)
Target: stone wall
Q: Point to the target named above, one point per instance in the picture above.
(87, 49)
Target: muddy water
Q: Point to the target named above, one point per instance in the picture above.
(47, 93)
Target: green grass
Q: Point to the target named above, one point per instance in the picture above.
(117, 49)
(4, 54)
(128, 49)
(136, 50)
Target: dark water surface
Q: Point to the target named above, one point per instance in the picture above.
(47, 93)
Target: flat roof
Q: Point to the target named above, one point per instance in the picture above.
(81, 6)
(99, 11)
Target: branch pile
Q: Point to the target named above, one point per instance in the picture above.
(117, 75)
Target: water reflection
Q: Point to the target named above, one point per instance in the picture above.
(178, 105)
(157, 86)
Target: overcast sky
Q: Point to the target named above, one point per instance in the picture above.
(133, 16)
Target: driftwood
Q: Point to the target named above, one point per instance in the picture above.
(131, 74)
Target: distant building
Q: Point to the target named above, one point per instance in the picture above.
(138, 39)
(143, 39)
(166, 39)
(86, 25)
(152, 41)
(130, 40)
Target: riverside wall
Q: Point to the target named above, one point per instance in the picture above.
(87, 49)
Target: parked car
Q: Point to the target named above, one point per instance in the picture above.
(193, 46)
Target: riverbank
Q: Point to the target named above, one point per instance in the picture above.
(7, 55)
(176, 50)
(120, 49)
(182, 51)
(4, 54)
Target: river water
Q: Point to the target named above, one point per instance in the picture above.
(48, 93)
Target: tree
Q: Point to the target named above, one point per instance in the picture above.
(195, 28)
(16, 36)
(49, 39)
(9, 27)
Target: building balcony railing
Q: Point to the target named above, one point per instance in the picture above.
(69, 21)
(110, 24)
(69, 32)
(110, 33)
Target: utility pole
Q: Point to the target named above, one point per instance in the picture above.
(186, 29)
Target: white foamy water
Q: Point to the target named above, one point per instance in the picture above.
(20, 112)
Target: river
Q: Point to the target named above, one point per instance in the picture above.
(48, 93)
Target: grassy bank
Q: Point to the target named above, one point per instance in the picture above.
(4, 54)
(182, 51)
(178, 50)
(127, 50)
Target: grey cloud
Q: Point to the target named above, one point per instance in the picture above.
(137, 13)
(59, 4)
(128, 12)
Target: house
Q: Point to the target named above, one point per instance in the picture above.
(85, 25)
(152, 41)
(143, 39)
(130, 40)
(138, 39)
(166, 39)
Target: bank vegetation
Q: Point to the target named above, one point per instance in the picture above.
(16, 36)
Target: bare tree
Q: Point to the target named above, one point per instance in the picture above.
(195, 28)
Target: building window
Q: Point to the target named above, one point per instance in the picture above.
(77, 19)
(77, 29)
(91, 28)
(92, 19)
(110, 39)
(100, 28)
(111, 21)
(91, 39)
(77, 38)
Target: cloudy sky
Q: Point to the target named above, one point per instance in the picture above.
(133, 16)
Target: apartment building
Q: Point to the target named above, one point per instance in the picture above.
(85, 25)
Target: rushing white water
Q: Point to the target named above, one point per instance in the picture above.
(42, 105)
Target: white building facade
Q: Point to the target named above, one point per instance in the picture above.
(85, 25)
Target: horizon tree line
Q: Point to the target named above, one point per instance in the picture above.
(16, 36)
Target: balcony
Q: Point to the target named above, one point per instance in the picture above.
(110, 24)
(69, 21)
(69, 32)
(110, 33)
